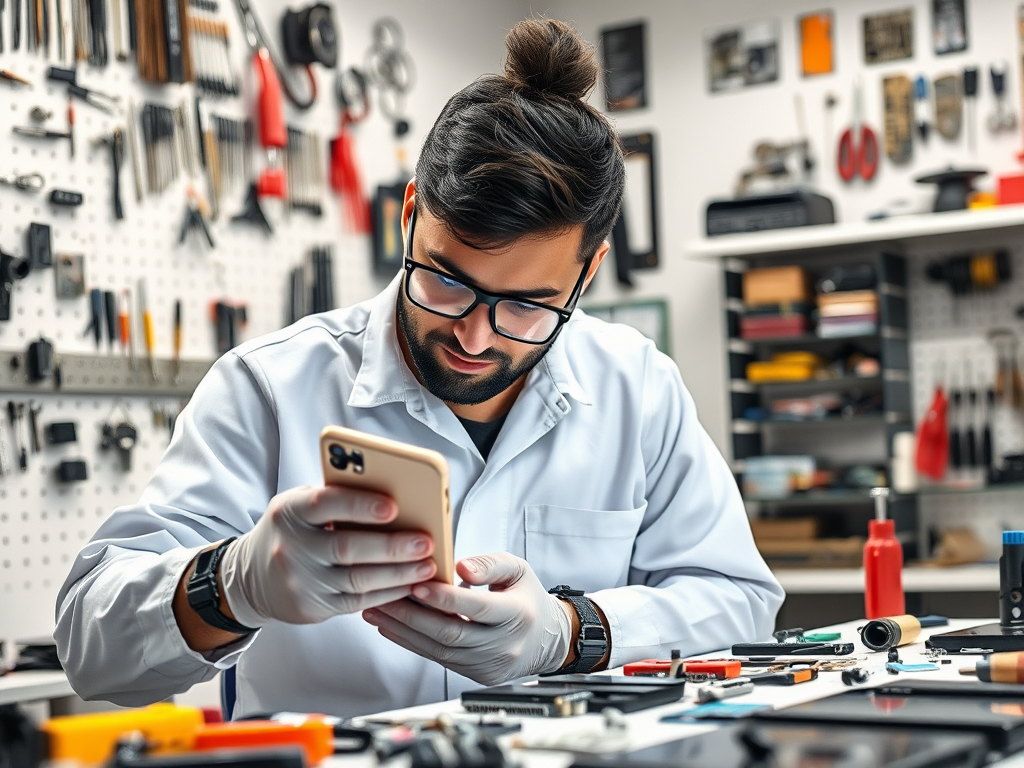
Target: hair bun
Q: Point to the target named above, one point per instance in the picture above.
(551, 57)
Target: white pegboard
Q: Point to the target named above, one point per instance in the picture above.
(42, 525)
(949, 346)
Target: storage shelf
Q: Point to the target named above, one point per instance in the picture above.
(34, 686)
(854, 496)
(835, 236)
(815, 385)
(818, 581)
(817, 498)
(746, 425)
(807, 339)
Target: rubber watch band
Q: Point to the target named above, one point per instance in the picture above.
(592, 641)
(203, 595)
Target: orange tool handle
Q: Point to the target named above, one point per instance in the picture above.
(314, 736)
(147, 325)
(269, 107)
(126, 334)
(647, 667)
(723, 670)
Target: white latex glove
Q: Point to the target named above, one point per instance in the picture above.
(290, 568)
(515, 629)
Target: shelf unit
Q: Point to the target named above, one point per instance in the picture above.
(888, 244)
(827, 581)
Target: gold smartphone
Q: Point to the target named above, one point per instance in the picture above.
(416, 478)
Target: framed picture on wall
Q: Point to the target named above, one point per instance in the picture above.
(815, 43)
(625, 82)
(949, 26)
(889, 36)
(649, 316)
(386, 214)
(742, 55)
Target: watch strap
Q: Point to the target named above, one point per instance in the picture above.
(592, 642)
(204, 595)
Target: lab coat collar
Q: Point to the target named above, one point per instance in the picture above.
(376, 383)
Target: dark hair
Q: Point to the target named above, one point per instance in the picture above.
(523, 153)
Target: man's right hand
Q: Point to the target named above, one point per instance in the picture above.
(291, 568)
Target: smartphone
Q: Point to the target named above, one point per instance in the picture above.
(416, 478)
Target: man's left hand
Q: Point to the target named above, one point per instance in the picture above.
(514, 630)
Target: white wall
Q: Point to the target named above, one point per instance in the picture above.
(705, 140)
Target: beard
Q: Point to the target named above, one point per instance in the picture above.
(454, 386)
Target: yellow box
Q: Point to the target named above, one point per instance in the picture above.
(92, 738)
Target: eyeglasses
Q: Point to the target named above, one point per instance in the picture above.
(514, 318)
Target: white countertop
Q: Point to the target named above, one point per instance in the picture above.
(959, 578)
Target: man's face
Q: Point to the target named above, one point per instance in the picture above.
(464, 361)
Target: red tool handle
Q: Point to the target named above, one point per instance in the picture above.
(846, 162)
(867, 153)
(269, 107)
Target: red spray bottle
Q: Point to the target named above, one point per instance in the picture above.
(883, 564)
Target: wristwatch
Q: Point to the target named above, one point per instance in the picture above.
(592, 642)
(203, 595)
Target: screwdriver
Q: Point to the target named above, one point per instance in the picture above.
(71, 125)
(177, 341)
(96, 322)
(147, 330)
(113, 331)
(125, 323)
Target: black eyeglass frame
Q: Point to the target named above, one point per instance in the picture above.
(490, 299)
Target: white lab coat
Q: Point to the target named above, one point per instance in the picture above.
(602, 478)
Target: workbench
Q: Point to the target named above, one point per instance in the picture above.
(645, 728)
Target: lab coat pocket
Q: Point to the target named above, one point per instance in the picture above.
(588, 549)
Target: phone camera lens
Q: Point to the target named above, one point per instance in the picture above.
(357, 462)
(336, 450)
(339, 462)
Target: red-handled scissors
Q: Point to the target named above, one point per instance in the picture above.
(858, 145)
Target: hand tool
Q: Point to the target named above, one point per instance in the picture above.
(125, 324)
(66, 198)
(62, 32)
(858, 145)
(970, 96)
(96, 316)
(3, 7)
(999, 668)
(792, 649)
(115, 143)
(194, 219)
(34, 409)
(795, 677)
(133, 145)
(699, 670)
(932, 450)
(725, 689)
(252, 212)
(8, 76)
(23, 460)
(34, 132)
(28, 182)
(45, 24)
(71, 126)
(16, 25)
(974, 449)
(5, 454)
(956, 442)
(119, 50)
(269, 109)
(1002, 118)
(147, 330)
(177, 341)
(986, 433)
(102, 101)
(113, 328)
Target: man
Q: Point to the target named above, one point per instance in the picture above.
(575, 454)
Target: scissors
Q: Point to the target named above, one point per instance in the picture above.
(29, 182)
(858, 145)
